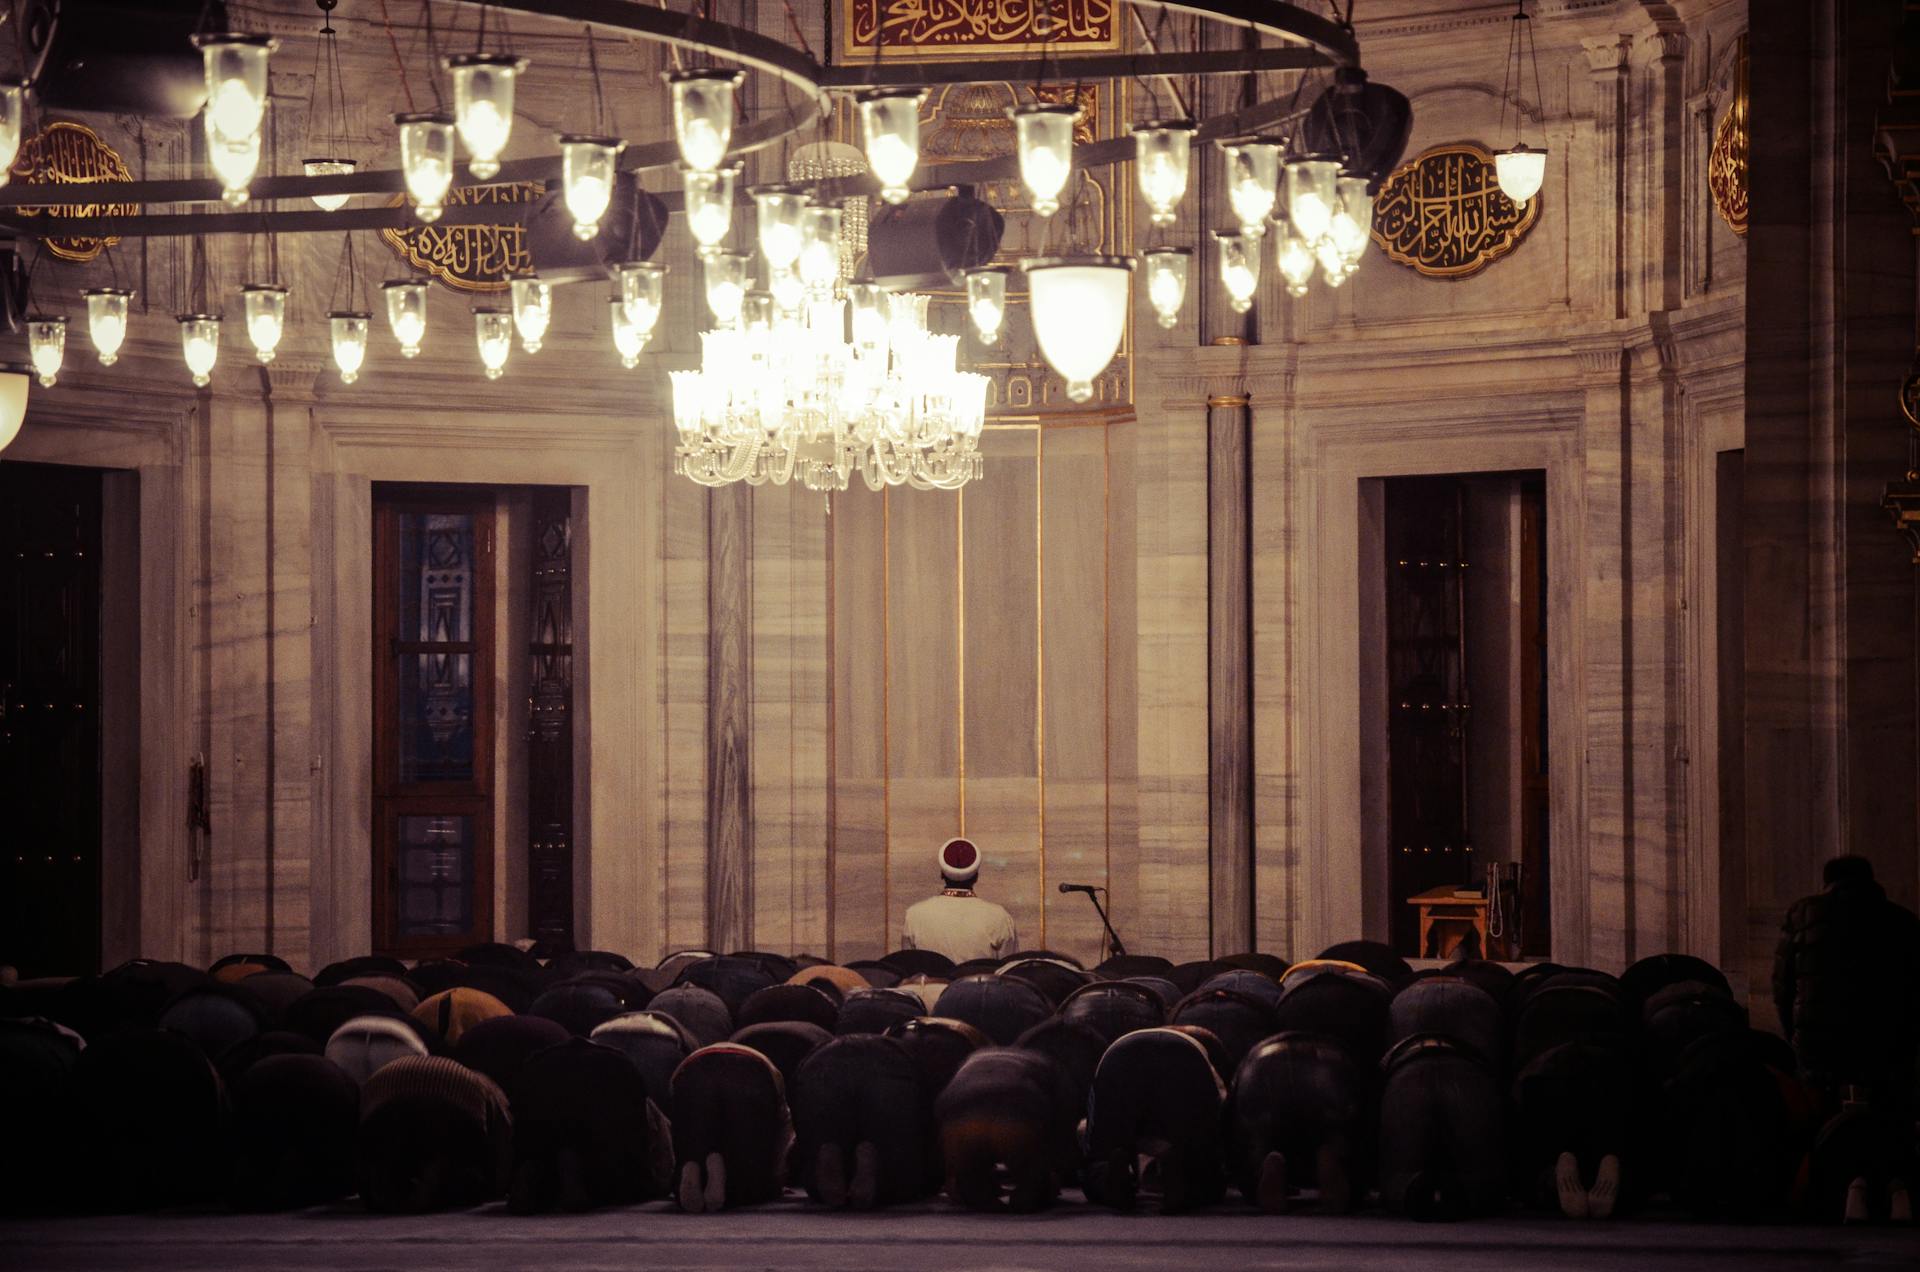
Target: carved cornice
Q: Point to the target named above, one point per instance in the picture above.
(1608, 54)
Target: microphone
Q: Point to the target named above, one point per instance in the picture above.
(1087, 888)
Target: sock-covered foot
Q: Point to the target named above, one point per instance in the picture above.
(692, 1197)
(1605, 1193)
(1271, 1194)
(1569, 1187)
(1856, 1211)
(715, 1194)
(830, 1175)
(864, 1190)
(1334, 1180)
(1899, 1202)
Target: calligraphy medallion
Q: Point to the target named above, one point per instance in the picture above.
(472, 258)
(71, 154)
(951, 28)
(1442, 213)
(1727, 161)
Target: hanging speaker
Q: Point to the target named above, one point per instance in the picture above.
(124, 57)
(630, 231)
(1368, 123)
(929, 242)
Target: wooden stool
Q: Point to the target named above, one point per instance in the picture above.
(1439, 906)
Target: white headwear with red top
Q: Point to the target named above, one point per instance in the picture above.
(959, 862)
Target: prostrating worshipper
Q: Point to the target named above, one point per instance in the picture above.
(584, 1133)
(1442, 1155)
(37, 1059)
(1006, 1125)
(366, 1044)
(499, 1047)
(731, 1128)
(1001, 1007)
(654, 1043)
(1301, 1117)
(863, 1124)
(785, 1042)
(1114, 1008)
(1155, 1122)
(434, 1135)
(151, 1120)
(955, 922)
(1578, 1095)
(295, 1118)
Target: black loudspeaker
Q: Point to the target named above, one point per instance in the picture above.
(630, 231)
(930, 242)
(125, 57)
(1369, 123)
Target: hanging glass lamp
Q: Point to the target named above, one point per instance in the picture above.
(987, 301)
(483, 86)
(532, 309)
(407, 313)
(265, 308)
(1079, 314)
(1043, 135)
(1253, 181)
(1167, 270)
(200, 345)
(588, 168)
(349, 331)
(1162, 156)
(493, 334)
(890, 122)
(1239, 267)
(703, 115)
(47, 346)
(107, 320)
(426, 160)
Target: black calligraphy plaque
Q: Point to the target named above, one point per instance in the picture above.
(1443, 215)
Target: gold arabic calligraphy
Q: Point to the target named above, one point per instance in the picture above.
(72, 154)
(475, 258)
(1727, 161)
(932, 28)
(1443, 213)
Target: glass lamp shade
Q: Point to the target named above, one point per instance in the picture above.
(13, 109)
(265, 305)
(726, 283)
(1312, 195)
(329, 168)
(1167, 270)
(788, 292)
(349, 329)
(107, 321)
(532, 310)
(709, 203)
(987, 302)
(1043, 135)
(756, 311)
(703, 115)
(1079, 314)
(1521, 170)
(13, 401)
(777, 210)
(867, 308)
(493, 333)
(47, 346)
(1352, 225)
(236, 70)
(819, 263)
(641, 288)
(234, 162)
(588, 168)
(628, 339)
(1162, 156)
(483, 105)
(1333, 265)
(890, 120)
(426, 160)
(1239, 267)
(1253, 182)
(1294, 258)
(407, 313)
(200, 344)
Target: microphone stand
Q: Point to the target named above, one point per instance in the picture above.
(1114, 948)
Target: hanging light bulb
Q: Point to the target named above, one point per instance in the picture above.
(703, 115)
(819, 263)
(628, 339)
(756, 311)
(47, 346)
(1294, 258)
(13, 109)
(349, 328)
(1311, 195)
(987, 301)
(588, 168)
(483, 105)
(890, 120)
(1333, 266)
(1521, 171)
(107, 321)
(265, 305)
(532, 310)
(426, 160)
(1352, 225)
(726, 281)
(788, 292)
(1239, 267)
(200, 343)
(1044, 136)
(777, 210)
(709, 204)
(867, 305)
(1079, 314)
(1167, 269)
(493, 332)
(236, 70)
(234, 162)
(1253, 181)
(1162, 154)
(407, 313)
(329, 168)
(642, 289)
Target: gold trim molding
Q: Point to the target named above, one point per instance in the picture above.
(1727, 161)
(71, 154)
(1229, 399)
(1442, 214)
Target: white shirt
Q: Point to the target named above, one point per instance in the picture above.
(961, 926)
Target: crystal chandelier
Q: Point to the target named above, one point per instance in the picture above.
(794, 398)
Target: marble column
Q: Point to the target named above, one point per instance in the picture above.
(1230, 670)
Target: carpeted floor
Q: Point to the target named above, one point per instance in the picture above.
(927, 1238)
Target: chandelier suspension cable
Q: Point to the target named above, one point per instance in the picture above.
(399, 62)
(1506, 82)
(433, 55)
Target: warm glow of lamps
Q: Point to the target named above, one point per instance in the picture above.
(13, 401)
(628, 339)
(349, 331)
(493, 333)
(329, 168)
(588, 168)
(890, 120)
(265, 307)
(1167, 270)
(1162, 155)
(1521, 171)
(777, 210)
(1239, 267)
(1352, 225)
(1294, 257)
(234, 162)
(236, 71)
(407, 313)
(726, 283)
(426, 160)
(200, 345)
(532, 310)
(819, 263)
(13, 109)
(987, 301)
(107, 320)
(1079, 314)
(1043, 135)
(709, 204)
(1311, 195)
(703, 115)
(1253, 181)
(483, 105)
(47, 346)
(867, 307)
(641, 289)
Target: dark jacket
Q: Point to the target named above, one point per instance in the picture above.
(1846, 982)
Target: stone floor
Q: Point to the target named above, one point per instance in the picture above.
(926, 1238)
